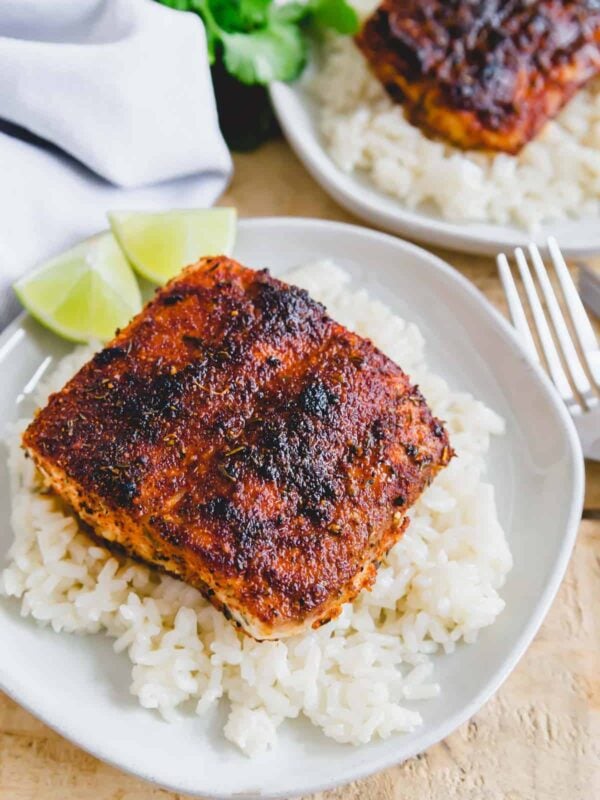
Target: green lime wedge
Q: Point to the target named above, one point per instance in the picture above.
(159, 245)
(83, 294)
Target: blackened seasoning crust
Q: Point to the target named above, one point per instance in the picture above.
(237, 437)
(483, 73)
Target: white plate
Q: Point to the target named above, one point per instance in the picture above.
(297, 115)
(79, 686)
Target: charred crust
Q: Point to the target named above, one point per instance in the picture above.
(172, 299)
(284, 309)
(108, 355)
(316, 398)
(193, 341)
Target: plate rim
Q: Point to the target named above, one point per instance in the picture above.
(402, 221)
(11, 686)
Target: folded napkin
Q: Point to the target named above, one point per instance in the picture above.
(104, 104)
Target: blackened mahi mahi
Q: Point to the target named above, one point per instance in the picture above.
(483, 73)
(238, 438)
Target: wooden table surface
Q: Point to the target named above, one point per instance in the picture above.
(537, 739)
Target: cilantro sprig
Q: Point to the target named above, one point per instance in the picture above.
(260, 41)
(254, 42)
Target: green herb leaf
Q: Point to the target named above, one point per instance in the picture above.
(240, 16)
(276, 53)
(259, 41)
(335, 14)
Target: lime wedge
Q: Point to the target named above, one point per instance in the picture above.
(83, 294)
(159, 245)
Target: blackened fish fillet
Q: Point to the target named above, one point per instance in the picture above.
(238, 438)
(483, 73)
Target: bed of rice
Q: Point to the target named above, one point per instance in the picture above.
(556, 176)
(352, 678)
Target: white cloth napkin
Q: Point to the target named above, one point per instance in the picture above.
(103, 104)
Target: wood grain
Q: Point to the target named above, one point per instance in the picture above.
(538, 739)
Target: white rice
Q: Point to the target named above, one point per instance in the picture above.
(556, 176)
(352, 678)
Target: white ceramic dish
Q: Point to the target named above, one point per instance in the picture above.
(79, 686)
(297, 115)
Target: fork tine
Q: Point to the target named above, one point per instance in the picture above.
(557, 373)
(561, 330)
(515, 307)
(581, 321)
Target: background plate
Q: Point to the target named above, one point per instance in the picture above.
(297, 115)
(79, 686)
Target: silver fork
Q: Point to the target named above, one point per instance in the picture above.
(579, 390)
